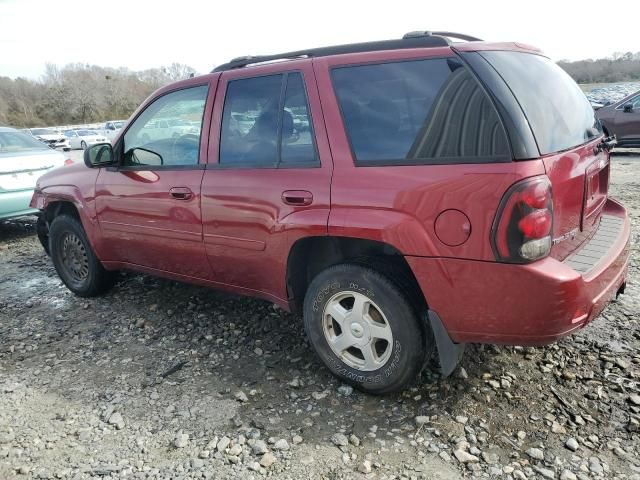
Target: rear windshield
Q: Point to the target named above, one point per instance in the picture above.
(560, 115)
(428, 111)
(12, 142)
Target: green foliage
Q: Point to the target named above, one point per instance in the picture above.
(79, 93)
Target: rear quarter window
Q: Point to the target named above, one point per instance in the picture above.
(430, 111)
(558, 112)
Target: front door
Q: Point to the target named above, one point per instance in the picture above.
(271, 183)
(148, 206)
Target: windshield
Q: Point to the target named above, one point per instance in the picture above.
(118, 124)
(559, 114)
(86, 133)
(11, 142)
(43, 131)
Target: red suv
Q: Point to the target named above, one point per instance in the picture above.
(405, 196)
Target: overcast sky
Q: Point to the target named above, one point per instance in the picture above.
(141, 34)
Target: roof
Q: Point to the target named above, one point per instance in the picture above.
(423, 39)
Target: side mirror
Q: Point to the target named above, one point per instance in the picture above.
(628, 107)
(143, 157)
(98, 155)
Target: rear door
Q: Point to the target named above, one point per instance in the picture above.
(148, 206)
(268, 181)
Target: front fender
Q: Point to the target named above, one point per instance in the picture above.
(86, 210)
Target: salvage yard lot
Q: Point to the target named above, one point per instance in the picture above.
(163, 380)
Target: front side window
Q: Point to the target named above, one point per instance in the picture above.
(266, 123)
(559, 113)
(418, 112)
(145, 144)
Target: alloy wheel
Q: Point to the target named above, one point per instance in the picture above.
(357, 331)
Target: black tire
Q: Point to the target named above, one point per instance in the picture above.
(90, 278)
(83, 145)
(412, 342)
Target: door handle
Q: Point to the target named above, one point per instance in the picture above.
(297, 197)
(181, 193)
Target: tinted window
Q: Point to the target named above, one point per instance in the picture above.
(423, 111)
(560, 115)
(260, 127)
(297, 132)
(168, 146)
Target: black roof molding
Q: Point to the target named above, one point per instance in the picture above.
(410, 40)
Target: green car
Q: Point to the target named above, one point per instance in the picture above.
(22, 160)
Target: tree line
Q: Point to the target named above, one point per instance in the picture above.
(620, 67)
(80, 93)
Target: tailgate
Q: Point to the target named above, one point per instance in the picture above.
(580, 184)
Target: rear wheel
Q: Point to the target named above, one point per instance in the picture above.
(74, 260)
(365, 329)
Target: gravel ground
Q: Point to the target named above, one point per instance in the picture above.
(170, 381)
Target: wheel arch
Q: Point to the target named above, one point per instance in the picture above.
(63, 201)
(309, 256)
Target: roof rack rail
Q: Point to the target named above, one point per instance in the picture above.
(459, 36)
(410, 40)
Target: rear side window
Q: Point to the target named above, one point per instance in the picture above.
(559, 114)
(418, 112)
(266, 123)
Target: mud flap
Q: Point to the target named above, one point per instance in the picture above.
(42, 229)
(449, 353)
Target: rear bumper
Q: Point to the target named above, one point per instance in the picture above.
(535, 304)
(16, 204)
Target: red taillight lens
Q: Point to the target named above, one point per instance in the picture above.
(536, 224)
(536, 196)
(68, 162)
(523, 225)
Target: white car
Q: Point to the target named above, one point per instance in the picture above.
(83, 138)
(111, 128)
(50, 136)
(167, 128)
(22, 160)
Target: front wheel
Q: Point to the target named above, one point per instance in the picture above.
(74, 260)
(365, 329)
(83, 145)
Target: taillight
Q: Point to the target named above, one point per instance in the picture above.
(523, 226)
(68, 162)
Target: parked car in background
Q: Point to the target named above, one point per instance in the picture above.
(622, 119)
(406, 196)
(111, 128)
(53, 138)
(168, 128)
(22, 160)
(84, 138)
